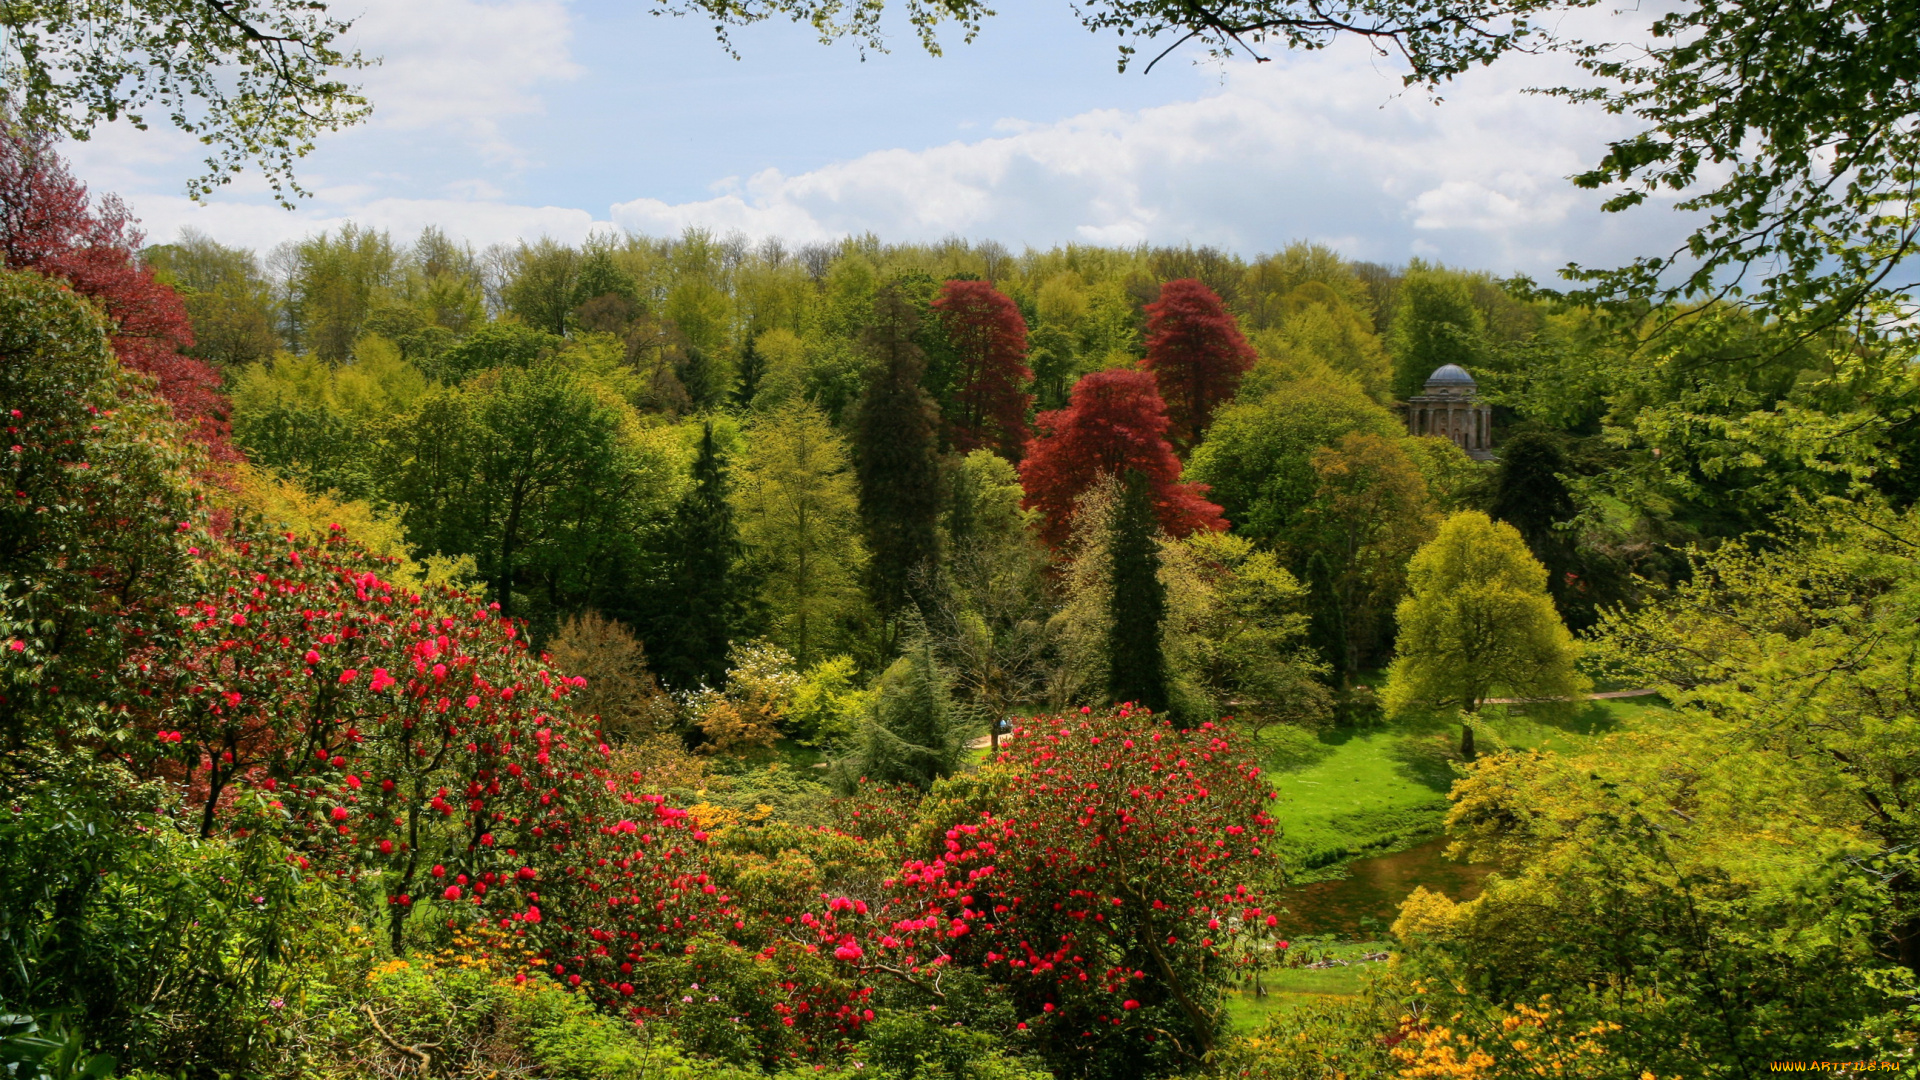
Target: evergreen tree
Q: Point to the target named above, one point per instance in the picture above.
(899, 471)
(1137, 605)
(913, 734)
(703, 593)
(1530, 496)
(752, 369)
(706, 381)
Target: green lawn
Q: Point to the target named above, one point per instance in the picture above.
(1289, 987)
(1354, 791)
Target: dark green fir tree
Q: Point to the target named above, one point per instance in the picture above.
(1136, 665)
(913, 735)
(895, 433)
(752, 368)
(703, 596)
(705, 379)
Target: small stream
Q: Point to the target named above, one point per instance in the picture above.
(1362, 905)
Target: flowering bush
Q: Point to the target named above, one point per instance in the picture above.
(1101, 870)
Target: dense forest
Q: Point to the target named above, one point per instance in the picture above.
(697, 657)
(686, 657)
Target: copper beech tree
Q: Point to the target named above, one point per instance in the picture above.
(49, 225)
(1115, 423)
(1197, 355)
(989, 340)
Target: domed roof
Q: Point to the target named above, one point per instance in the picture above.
(1450, 375)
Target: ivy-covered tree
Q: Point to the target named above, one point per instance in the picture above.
(1137, 601)
(894, 447)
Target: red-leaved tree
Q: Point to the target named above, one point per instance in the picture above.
(989, 339)
(1115, 422)
(49, 225)
(1196, 353)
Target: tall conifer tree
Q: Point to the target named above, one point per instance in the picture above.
(1136, 665)
(895, 437)
(694, 627)
(752, 369)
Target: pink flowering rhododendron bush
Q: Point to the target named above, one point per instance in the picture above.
(1101, 871)
(412, 743)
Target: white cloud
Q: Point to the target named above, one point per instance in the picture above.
(1322, 146)
(461, 66)
(262, 226)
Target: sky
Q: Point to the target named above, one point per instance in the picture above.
(506, 120)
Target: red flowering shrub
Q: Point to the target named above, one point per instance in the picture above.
(91, 558)
(1102, 869)
(415, 742)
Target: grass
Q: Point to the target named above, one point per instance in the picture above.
(1370, 790)
(1288, 988)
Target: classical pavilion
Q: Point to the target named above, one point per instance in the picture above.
(1449, 406)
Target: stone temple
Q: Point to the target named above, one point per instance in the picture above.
(1450, 407)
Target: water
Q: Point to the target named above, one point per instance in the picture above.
(1363, 904)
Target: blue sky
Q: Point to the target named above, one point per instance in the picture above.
(511, 119)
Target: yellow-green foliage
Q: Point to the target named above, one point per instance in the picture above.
(477, 1009)
(829, 702)
(1235, 633)
(287, 505)
(1478, 621)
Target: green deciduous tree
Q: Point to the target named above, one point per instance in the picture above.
(990, 614)
(1258, 459)
(1369, 515)
(1436, 323)
(1236, 634)
(228, 298)
(254, 81)
(1478, 621)
(334, 282)
(544, 288)
(525, 470)
(1798, 648)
